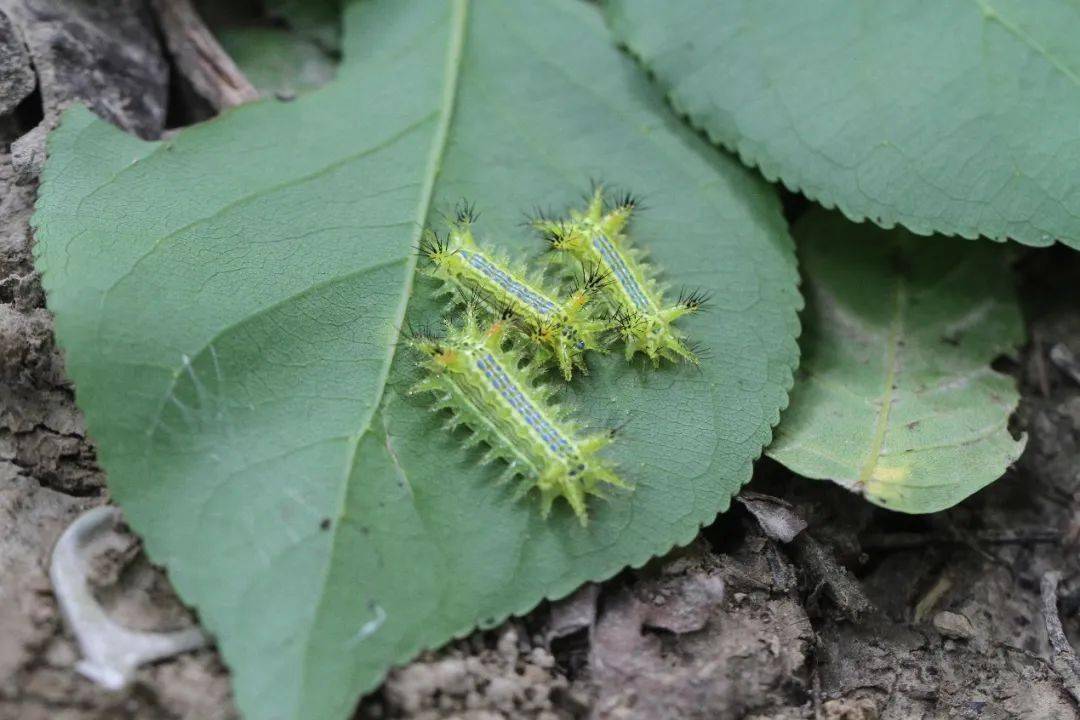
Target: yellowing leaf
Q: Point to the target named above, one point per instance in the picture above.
(895, 398)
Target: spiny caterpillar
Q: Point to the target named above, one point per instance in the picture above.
(487, 389)
(563, 328)
(636, 301)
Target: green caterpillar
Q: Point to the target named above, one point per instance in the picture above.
(635, 300)
(563, 329)
(488, 389)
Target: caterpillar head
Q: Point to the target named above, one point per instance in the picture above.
(609, 216)
(443, 352)
(438, 250)
(434, 249)
(443, 254)
(600, 215)
(461, 234)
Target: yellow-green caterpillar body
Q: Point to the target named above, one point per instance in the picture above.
(562, 328)
(487, 389)
(638, 311)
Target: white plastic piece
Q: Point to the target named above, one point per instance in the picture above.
(111, 652)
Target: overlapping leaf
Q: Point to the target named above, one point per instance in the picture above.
(948, 116)
(277, 61)
(229, 302)
(895, 398)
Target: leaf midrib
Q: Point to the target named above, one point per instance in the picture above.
(459, 15)
(892, 360)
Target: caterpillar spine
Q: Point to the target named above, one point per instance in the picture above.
(563, 329)
(637, 309)
(486, 388)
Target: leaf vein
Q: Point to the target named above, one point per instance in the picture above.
(455, 48)
(892, 362)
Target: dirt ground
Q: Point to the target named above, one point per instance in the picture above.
(864, 614)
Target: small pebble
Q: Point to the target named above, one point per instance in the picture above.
(953, 625)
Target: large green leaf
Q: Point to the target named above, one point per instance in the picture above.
(948, 116)
(229, 302)
(895, 398)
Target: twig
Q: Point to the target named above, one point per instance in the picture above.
(913, 541)
(1041, 374)
(1065, 662)
(200, 58)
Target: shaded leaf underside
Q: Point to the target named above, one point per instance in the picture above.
(229, 302)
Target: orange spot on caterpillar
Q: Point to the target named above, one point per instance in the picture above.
(447, 357)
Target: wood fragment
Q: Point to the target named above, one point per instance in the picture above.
(827, 574)
(777, 518)
(199, 56)
(1041, 373)
(1064, 662)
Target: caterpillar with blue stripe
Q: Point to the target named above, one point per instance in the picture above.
(635, 300)
(564, 329)
(486, 387)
